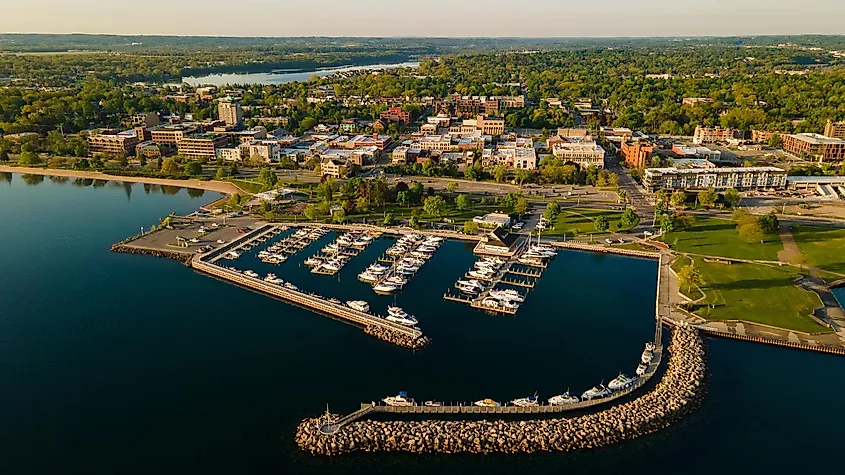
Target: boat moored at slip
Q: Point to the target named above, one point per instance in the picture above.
(367, 276)
(507, 295)
(596, 392)
(527, 401)
(641, 369)
(400, 316)
(433, 404)
(400, 400)
(250, 273)
(359, 305)
(648, 353)
(385, 288)
(487, 403)
(563, 399)
(272, 279)
(620, 382)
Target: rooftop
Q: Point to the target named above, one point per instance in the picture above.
(817, 139)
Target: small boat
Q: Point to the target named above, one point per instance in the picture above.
(359, 305)
(272, 279)
(396, 280)
(427, 249)
(250, 273)
(378, 269)
(491, 303)
(233, 255)
(507, 296)
(526, 401)
(360, 243)
(595, 392)
(385, 288)
(401, 399)
(433, 404)
(313, 261)
(529, 261)
(620, 382)
(471, 283)
(563, 399)
(405, 271)
(335, 301)
(641, 369)
(332, 265)
(487, 403)
(507, 304)
(480, 275)
(471, 291)
(290, 286)
(397, 315)
(647, 355)
(367, 277)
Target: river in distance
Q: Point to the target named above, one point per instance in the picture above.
(284, 76)
(116, 363)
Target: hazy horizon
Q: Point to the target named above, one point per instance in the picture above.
(438, 18)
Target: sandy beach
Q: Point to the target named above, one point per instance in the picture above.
(218, 186)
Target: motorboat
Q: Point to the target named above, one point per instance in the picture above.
(401, 399)
(595, 392)
(426, 249)
(620, 382)
(233, 255)
(398, 315)
(313, 261)
(526, 401)
(334, 265)
(508, 305)
(641, 369)
(529, 261)
(359, 305)
(385, 288)
(480, 274)
(487, 403)
(491, 302)
(360, 243)
(649, 346)
(272, 279)
(647, 355)
(468, 290)
(378, 269)
(506, 296)
(290, 286)
(250, 273)
(334, 300)
(563, 399)
(367, 277)
(471, 283)
(396, 280)
(432, 404)
(421, 255)
(405, 271)
(396, 251)
(220, 241)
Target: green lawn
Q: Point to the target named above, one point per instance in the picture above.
(718, 237)
(824, 246)
(247, 185)
(680, 263)
(578, 221)
(757, 293)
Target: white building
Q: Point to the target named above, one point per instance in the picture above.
(519, 158)
(229, 154)
(742, 178)
(581, 152)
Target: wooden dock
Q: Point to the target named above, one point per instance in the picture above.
(524, 272)
(517, 283)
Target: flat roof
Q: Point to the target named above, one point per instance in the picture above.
(816, 179)
(713, 170)
(816, 139)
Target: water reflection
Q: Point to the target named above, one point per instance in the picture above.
(32, 180)
(7, 177)
(59, 180)
(195, 192)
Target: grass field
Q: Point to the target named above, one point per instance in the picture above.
(680, 263)
(578, 221)
(757, 293)
(718, 237)
(823, 246)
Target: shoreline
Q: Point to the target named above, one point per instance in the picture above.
(224, 187)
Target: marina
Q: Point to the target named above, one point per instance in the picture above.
(400, 263)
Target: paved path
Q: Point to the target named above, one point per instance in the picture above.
(791, 253)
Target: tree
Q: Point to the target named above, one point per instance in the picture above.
(362, 203)
(417, 190)
(221, 174)
(339, 216)
(678, 199)
(689, 277)
(266, 206)
(521, 206)
(452, 187)
(629, 219)
(731, 197)
(235, 200)
(462, 202)
(29, 159)
(169, 167)
(601, 223)
(471, 228)
(404, 198)
(667, 223)
(769, 223)
(552, 211)
(707, 198)
(499, 173)
(435, 206)
(521, 175)
(751, 232)
(414, 222)
(311, 212)
(268, 178)
(389, 219)
(193, 169)
(4, 156)
(661, 196)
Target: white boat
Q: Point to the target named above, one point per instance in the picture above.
(529, 261)
(433, 403)
(487, 403)
(313, 261)
(405, 271)
(641, 369)
(397, 315)
(359, 305)
(506, 296)
(491, 302)
(360, 243)
(384, 288)
(332, 265)
(250, 273)
(396, 280)
(507, 304)
(468, 290)
(421, 255)
(471, 283)
(563, 399)
(479, 274)
(526, 401)
(367, 277)
(220, 241)
(233, 254)
(396, 251)
(378, 269)
(647, 355)
(595, 392)
(620, 382)
(401, 399)
(290, 286)
(426, 249)
(272, 279)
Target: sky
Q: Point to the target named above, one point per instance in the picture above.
(479, 18)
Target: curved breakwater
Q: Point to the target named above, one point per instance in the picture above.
(675, 394)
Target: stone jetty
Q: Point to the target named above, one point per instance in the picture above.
(177, 256)
(678, 391)
(396, 338)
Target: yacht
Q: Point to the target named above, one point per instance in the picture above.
(290, 286)
(367, 277)
(385, 288)
(359, 305)
(472, 291)
(233, 255)
(620, 382)
(480, 274)
(491, 302)
(313, 261)
(526, 401)
(529, 261)
(563, 399)
(250, 273)
(405, 270)
(421, 255)
(433, 404)
(272, 279)
(507, 304)
(471, 283)
(396, 280)
(396, 251)
(484, 265)
(360, 243)
(641, 369)
(506, 296)
(487, 403)
(426, 249)
(397, 315)
(334, 265)
(595, 392)
(378, 269)
(401, 399)
(647, 355)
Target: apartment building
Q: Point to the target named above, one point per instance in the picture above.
(333, 167)
(696, 152)
(815, 146)
(487, 126)
(834, 130)
(112, 142)
(637, 153)
(229, 154)
(743, 178)
(518, 157)
(581, 152)
(172, 134)
(396, 114)
(201, 147)
(715, 134)
(762, 136)
(436, 142)
(231, 113)
(269, 150)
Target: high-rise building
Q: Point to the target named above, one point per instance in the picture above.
(231, 113)
(112, 142)
(834, 130)
(637, 153)
(814, 146)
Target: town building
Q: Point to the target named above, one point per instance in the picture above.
(229, 154)
(762, 136)
(835, 130)
(617, 134)
(518, 158)
(153, 151)
(144, 119)
(333, 167)
(231, 113)
(743, 178)
(498, 243)
(814, 146)
(396, 114)
(693, 163)
(715, 134)
(581, 152)
(201, 147)
(428, 129)
(487, 126)
(172, 133)
(112, 142)
(696, 152)
(828, 187)
(694, 101)
(268, 150)
(436, 142)
(637, 153)
(493, 220)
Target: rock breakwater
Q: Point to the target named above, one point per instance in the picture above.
(676, 393)
(396, 338)
(178, 256)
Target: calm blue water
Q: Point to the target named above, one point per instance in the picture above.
(113, 363)
(285, 76)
